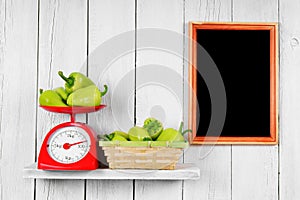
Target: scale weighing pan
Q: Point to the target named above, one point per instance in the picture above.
(73, 109)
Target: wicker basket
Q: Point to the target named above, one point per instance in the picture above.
(124, 157)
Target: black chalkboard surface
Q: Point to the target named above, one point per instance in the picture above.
(245, 57)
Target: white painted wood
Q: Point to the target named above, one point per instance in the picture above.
(290, 97)
(181, 172)
(214, 161)
(62, 46)
(215, 167)
(154, 96)
(255, 168)
(255, 11)
(18, 66)
(108, 64)
(254, 172)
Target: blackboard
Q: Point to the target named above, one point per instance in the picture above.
(245, 56)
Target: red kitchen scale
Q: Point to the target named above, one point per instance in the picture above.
(70, 145)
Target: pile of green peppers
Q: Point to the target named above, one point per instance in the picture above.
(152, 130)
(79, 90)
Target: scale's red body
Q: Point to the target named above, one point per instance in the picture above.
(90, 161)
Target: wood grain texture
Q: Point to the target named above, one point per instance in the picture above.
(18, 66)
(256, 164)
(215, 167)
(213, 161)
(154, 97)
(109, 64)
(254, 172)
(62, 46)
(255, 11)
(290, 97)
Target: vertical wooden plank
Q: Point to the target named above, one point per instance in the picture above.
(18, 67)
(290, 97)
(156, 97)
(255, 172)
(62, 46)
(108, 63)
(2, 42)
(213, 161)
(255, 168)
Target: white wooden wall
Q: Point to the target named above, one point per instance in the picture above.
(39, 37)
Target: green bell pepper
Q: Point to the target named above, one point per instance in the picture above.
(50, 98)
(88, 96)
(153, 126)
(137, 133)
(173, 135)
(75, 81)
(61, 92)
(114, 136)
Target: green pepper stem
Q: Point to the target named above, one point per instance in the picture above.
(70, 81)
(111, 136)
(103, 137)
(104, 92)
(180, 128)
(188, 130)
(41, 90)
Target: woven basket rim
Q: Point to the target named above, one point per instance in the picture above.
(148, 144)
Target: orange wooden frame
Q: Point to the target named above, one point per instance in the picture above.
(273, 28)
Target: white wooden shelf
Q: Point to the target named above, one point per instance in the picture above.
(181, 172)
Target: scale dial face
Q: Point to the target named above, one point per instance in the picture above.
(68, 145)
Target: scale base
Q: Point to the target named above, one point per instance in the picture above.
(88, 162)
(44, 166)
